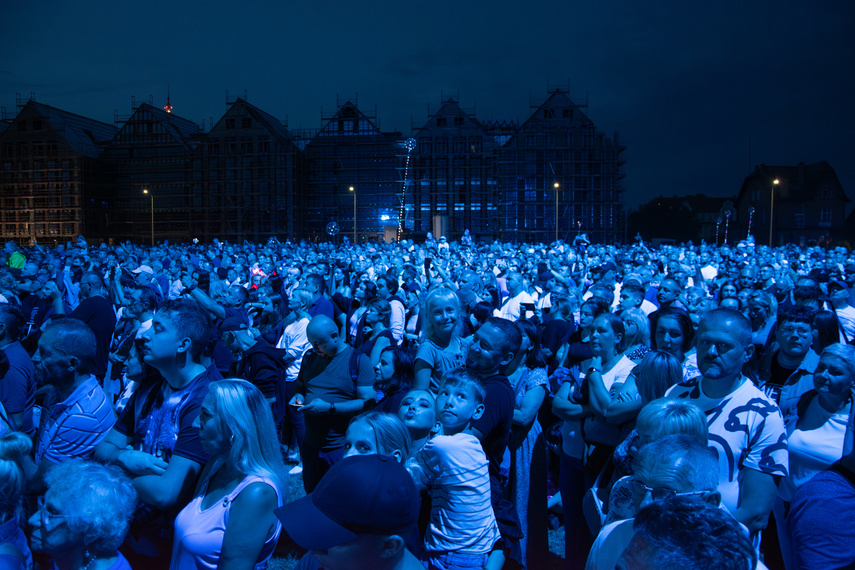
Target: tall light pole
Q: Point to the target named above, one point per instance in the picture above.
(556, 185)
(151, 195)
(352, 189)
(775, 182)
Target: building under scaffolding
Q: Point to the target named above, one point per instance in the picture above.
(557, 168)
(245, 178)
(350, 151)
(454, 180)
(151, 159)
(52, 185)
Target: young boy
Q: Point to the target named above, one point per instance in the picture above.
(454, 469)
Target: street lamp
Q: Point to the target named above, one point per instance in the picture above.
(352, 189)
(775, 182)
(151, 195)
(556, 186)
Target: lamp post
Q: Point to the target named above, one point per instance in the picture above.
(556, 185)
(775, 182)
(352, 189)
(151, 195)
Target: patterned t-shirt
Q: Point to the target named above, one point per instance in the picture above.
(746, 429)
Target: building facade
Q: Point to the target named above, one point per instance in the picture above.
(53, 183)
(801, 204)
(559, 175)
(245, 178)
(350, 152)
(150, 159)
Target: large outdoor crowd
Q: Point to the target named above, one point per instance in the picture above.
(445, 403)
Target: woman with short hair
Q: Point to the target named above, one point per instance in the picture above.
(84, 516)
(230, 521)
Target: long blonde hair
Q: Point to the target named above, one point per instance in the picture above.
(242, 411)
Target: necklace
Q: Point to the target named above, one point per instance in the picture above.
(91, 561)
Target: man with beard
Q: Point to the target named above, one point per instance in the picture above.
(493, 348)
(745, 425)
(77, 414)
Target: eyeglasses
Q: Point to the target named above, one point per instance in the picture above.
(45, 515)
(659, 493)
(801, 333)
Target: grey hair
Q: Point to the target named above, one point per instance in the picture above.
(97, 500)
(694, 460)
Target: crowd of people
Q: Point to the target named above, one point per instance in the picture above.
(445, 402)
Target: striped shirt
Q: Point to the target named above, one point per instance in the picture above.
(76, 425)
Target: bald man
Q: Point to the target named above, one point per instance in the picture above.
(334, 384)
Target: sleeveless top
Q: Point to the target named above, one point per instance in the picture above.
(199, 533)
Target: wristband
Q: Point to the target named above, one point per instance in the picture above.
(332, 410)
(591, 370)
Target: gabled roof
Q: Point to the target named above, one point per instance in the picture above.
(182, 130)
(86, 137)
(269, 122)
(448, 110)
(557, 102)
(803, 182)
(348, 111)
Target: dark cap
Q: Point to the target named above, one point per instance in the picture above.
(835, 284)
(234, 323)
(361, 494)
(607, 266)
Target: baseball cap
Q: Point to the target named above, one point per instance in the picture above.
(234, 323)
(607, 266)
(838, 285)
(143, 269)
(361, 494)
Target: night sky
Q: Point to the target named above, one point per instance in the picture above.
(686, 84)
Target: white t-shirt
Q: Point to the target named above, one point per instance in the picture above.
(454, 469)
(511, 308)
(812, 451)
(746, 429)
(294, 339)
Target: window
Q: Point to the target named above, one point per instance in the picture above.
(230, 123)
(458, 121)
(246, 123)
(825, 217)
(442, 122)
(799, 220)
(568, 113)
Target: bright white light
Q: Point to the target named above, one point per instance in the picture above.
(384, 217)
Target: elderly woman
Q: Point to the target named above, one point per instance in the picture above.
(84, 516)
(230, 521)
(816, 428)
